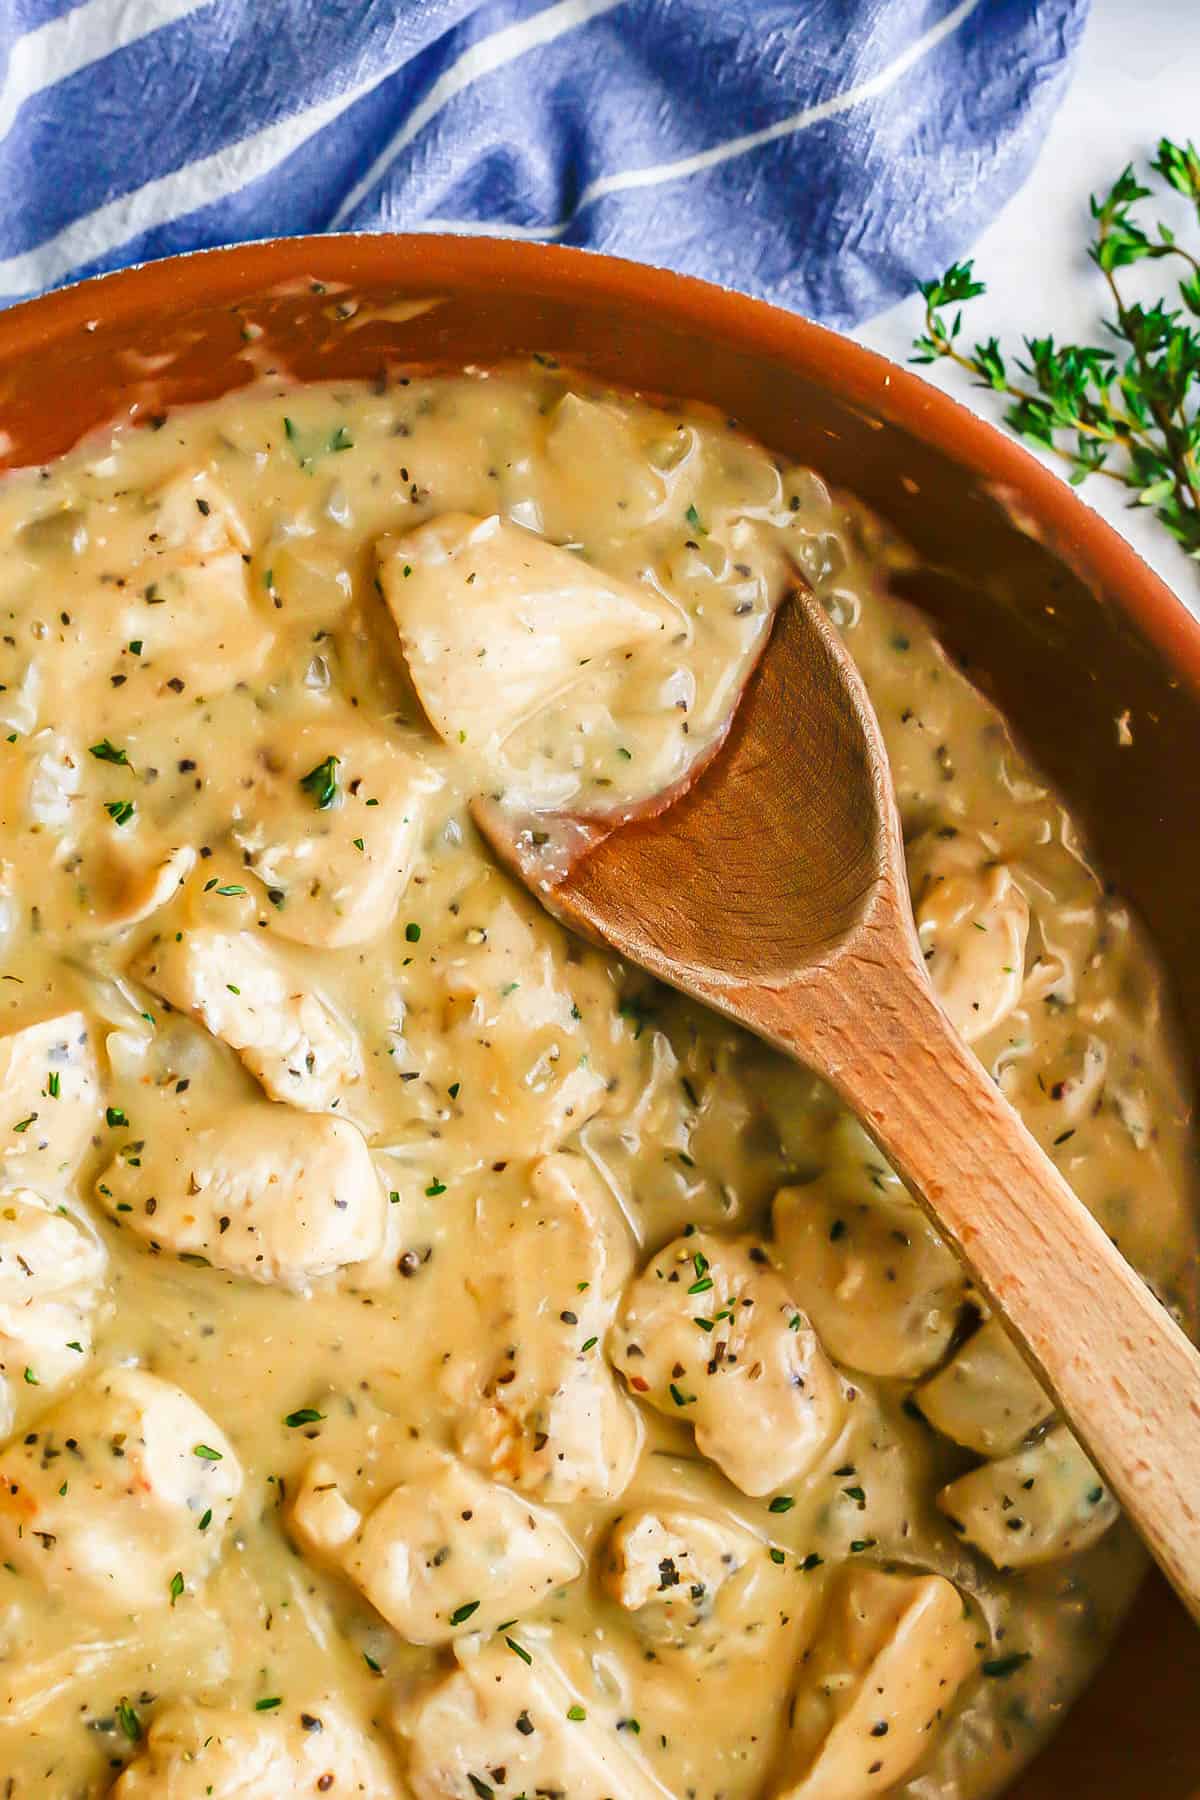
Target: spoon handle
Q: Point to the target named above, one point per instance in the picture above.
(1126, 1376)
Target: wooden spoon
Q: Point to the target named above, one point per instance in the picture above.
(774, 890)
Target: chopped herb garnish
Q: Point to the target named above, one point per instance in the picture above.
(462, 1613)
(680, 1398)
(518, 1650)
(702, 1286)
(31, 1378)
(412, 933)
(113, 1115)
(129, 1722)
(231, 889)
(435, 1187)
(694, 520)
(781, 1503)
(305, 1415)
(375, 1668)
(119, 811)
(269, 1704)
(589, 1344)
(321, 783)
(206, 1453)
(638, 1012)
(340, 440)
(106, 752)
(54, 1085)
(205, 1519)
(25, 1123)
(576, 1714)
(775, 1554)
(176, 1585)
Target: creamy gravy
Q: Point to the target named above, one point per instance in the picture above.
(436, 1361)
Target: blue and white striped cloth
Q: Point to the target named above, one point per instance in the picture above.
(824, 153)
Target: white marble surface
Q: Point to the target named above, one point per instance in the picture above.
(1137, 79)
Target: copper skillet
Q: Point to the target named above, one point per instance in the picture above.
(1054, 615)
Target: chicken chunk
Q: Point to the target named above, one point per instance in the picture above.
(196, 515)
(987, 1398)
(158, 588)
(890, 1657)
(506, 1028)
(244, 992)
(883, 1291)
(757, 1389)
(444, 1552)
(322, 1520)
(329, 823)
(277, 1196)
(308, 580)
(496, 623)
(668, 1567)
(540, 1409)
(1034, 1506)
(973, 922)
(203, 1753)
(596, 466)
(119, 1498)
(125, 888)
(49, 1092)
(189, 567)
(51, 1273)
(497, 1711)
(54, 794)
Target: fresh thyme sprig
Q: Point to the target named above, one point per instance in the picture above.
(1131, 414)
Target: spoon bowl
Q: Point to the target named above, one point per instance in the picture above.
(773, 856)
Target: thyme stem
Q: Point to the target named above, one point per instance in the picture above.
(1130, 414)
